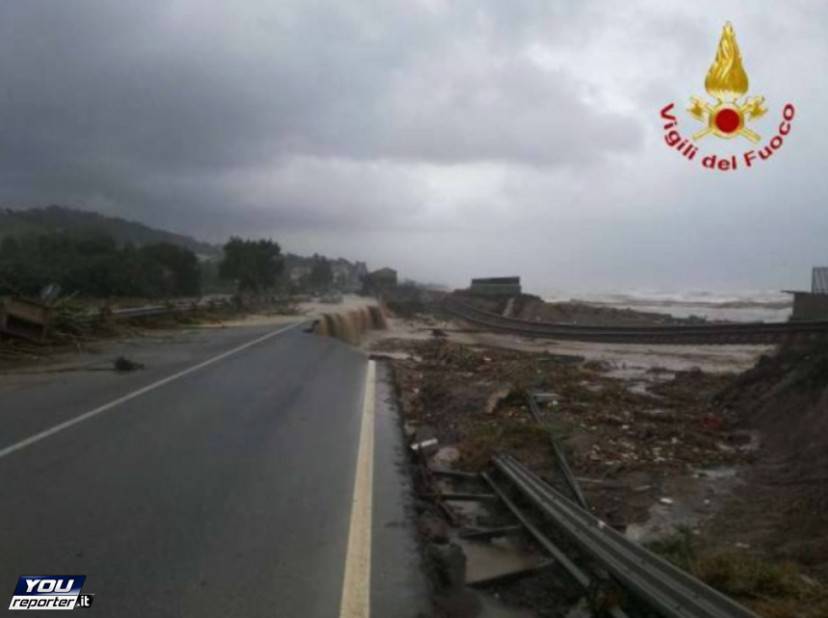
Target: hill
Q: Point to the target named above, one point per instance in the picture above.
(81, 224)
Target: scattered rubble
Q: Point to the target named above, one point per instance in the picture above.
(663, 457)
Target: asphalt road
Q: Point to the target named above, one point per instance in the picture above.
(193, 489)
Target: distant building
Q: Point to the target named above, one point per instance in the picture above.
(379, 280)
(346, 276)
(812, 305)
(297, 273)
(496, 286)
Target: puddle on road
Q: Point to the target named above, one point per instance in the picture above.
(500, 556)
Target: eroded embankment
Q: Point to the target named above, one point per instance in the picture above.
(349, 326)
(785, 398)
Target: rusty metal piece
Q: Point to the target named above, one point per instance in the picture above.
(570, 479)
(27, 319)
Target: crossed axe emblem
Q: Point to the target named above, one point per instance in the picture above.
(727, 119)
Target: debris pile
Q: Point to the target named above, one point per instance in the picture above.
(743, 460)
(474, 398)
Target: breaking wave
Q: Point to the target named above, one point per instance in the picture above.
(747, 306)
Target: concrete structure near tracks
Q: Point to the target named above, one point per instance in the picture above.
(496, 286)
(812, 305)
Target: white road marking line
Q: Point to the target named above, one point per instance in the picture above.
(356, 585)
(108, 406)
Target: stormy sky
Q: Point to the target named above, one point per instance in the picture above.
(447, 138)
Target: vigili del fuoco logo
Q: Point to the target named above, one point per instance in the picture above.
(727, 115)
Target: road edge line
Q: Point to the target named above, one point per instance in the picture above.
(13, 448)
(356, 583)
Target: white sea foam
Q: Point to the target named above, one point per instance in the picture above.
(739, 306)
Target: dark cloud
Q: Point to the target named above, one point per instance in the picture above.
(316, 121)
(123, 90)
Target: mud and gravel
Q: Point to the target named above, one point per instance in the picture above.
(475, 399)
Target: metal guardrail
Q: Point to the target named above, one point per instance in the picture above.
(709, 334)
(659, 584)
(142, 312)
(30, 319)
(566, 471)
(147, 311)
(129, 313)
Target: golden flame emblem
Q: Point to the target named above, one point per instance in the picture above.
(727, 81)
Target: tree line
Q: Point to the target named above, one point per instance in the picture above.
(97, 266)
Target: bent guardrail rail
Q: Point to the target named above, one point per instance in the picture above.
(655, 581)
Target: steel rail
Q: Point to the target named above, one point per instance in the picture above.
(570, 479)
(140, 312)
(128, 313)
(577, 573)
(655, 581)
(673, 334)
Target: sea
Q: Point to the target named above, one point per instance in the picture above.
(741, 306)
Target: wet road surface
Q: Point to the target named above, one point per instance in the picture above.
(218, 481)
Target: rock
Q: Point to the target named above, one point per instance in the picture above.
(495, 398)
(446, 456)
(124, 364)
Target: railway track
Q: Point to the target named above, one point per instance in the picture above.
(706, 334)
